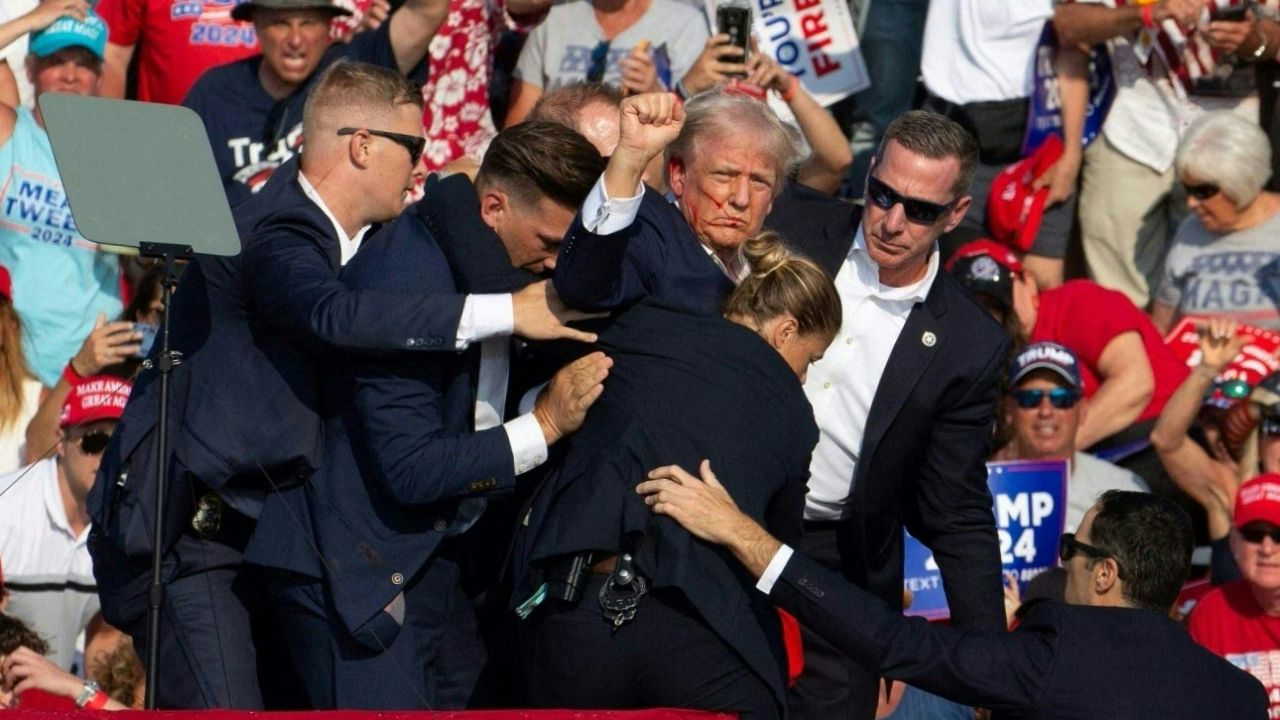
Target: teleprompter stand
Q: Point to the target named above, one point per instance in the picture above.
(143, 175)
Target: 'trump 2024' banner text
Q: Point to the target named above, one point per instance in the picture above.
(1030, 508)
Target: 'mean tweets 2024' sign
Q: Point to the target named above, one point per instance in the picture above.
(1030, 508)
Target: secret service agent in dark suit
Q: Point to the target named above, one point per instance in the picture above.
(244, 403)
(678, 388)
(920, 461)
(1110, 651)
(365, 559)
(243, 415)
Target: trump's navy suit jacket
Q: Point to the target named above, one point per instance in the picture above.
(922, 460)
(399, 450)
(683, 387)
(243, 402)
(658, 255)
(1063, 662)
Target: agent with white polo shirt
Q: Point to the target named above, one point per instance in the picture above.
(44, 524)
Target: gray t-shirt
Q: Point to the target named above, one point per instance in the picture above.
(1208, 274)
(1090, 477)
(558, 51)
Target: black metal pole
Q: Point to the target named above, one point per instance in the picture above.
(165, 362)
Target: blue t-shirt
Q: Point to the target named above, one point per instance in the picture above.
(61, 281)
(252, 133)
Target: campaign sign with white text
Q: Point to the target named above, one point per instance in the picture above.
(811, 39)
(1030, 508)
(1255, 361)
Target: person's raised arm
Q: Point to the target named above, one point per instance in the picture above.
(595, 270)
(1208, 481)
(115, 69)
(1084, 24)
(1125, 386)
(412, 28)
(649, 123)
(831, 155)
(109, 343)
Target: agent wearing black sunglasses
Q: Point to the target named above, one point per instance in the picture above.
(1110, 648)
(44, 518)
(912, 199)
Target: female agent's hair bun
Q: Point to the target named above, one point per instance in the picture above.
(784, 282)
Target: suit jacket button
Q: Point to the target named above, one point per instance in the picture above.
(397, 579)
(410, 342)
(440, 525)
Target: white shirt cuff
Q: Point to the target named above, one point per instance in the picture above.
(774, 570)
(603, 215)
(483, 317)
(528, 444)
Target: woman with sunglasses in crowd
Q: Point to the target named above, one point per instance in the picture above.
(1225, 257)
(1226, 413)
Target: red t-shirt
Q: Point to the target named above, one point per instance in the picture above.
(1084, 316)
(1229, 622)
(177, 40)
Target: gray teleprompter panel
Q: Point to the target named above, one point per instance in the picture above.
(137, 173)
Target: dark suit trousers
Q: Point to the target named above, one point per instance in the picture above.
(665, 657)
(833, 686)
(218, 647)
(431, 662)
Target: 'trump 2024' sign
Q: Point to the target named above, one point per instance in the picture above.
(1030, 508)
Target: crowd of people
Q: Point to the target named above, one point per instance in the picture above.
(632, 402)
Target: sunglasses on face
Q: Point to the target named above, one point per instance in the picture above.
(1068, 546)
(1203, 191)
(923, 212)
(1061, 398)
(1257, 533)
(413, 143)
(599, 61)
(94, 442)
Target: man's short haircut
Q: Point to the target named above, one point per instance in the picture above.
(358, 87)
(720, 114)
(1151, 539)
(540, 159)
(563, 104)
(1228, 151)
(15, 633)
(937, 138)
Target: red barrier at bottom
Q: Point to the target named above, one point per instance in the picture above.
(653, 714)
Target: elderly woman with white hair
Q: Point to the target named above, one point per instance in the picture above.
(1228, 247)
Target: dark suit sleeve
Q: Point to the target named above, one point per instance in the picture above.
(607, 272)
(977, 667)
(289, 282)
(400, 414)
(950, 512)
(785, 515)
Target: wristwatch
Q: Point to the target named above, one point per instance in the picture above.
(91, 688)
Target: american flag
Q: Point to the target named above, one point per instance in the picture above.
(1183, 54)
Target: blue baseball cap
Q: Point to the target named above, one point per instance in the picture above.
(1046, 356)
(66, 31)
